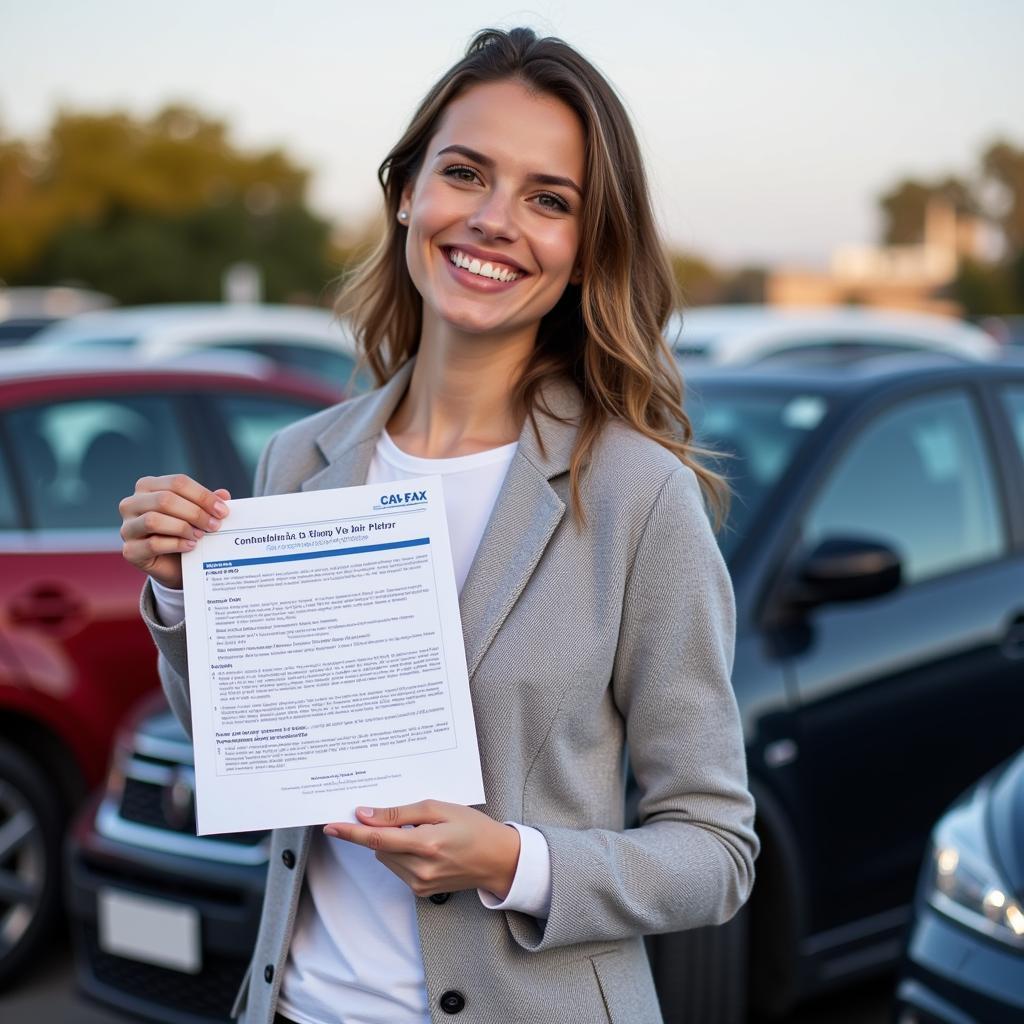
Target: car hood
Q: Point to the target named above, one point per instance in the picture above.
(1006, 815)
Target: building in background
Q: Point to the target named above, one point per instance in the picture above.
(910, 277)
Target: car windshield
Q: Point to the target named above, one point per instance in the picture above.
(757, 436)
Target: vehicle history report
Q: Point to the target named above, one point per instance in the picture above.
(326, 659)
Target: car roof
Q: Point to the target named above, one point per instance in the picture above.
(741, 332)
(864, 375)
(47, 303)
(23, 364)
(175, 324)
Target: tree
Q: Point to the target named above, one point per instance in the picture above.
(1003, 168)
(154, 209)
(904, 208)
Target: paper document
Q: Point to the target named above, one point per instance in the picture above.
(326, 659)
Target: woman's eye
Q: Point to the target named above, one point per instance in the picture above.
(460, 172)
(553, 202)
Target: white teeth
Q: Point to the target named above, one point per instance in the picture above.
(475, 266)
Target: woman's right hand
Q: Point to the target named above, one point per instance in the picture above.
(165, 516)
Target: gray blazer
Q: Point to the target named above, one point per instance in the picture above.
(578, 640)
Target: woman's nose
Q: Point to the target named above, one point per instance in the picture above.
(494, 216)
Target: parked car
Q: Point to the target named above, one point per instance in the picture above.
(965, 953)
(26, 311)
(302, 340)
(74, 656)
(876, 545)
(753, 333)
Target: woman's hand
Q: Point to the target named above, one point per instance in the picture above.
(453, 847)
(165, 516)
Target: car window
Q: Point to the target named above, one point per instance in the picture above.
(251, 419)
(755, 438)
(8, 502)
(78, 458)
(1013, 398)
(919, 479)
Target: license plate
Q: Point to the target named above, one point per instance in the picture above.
(151, 930)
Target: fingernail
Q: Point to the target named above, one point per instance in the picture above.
(220, 508)
(328, 831)
(366, 812)
(214, 524)
(197, 533)
(190, 544)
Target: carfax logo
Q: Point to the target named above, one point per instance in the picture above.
(408, 498)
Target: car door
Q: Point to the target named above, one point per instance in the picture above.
(68, 600)
(907, 698)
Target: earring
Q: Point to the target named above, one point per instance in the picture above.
(403, 215)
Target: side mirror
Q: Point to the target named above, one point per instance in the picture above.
(844, 569)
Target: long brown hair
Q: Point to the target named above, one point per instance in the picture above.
(605, 333)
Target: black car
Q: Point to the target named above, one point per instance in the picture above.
(876, 544)
(965, 954)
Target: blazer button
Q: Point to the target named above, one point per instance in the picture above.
(289, 859)
(268, 973)
(453, 1002)
(440, 897)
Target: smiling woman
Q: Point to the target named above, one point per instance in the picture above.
(512, 315)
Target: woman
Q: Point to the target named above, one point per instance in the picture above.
(513, 316)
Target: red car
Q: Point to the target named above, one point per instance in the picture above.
(74, 655)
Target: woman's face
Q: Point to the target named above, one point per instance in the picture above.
(494, 212)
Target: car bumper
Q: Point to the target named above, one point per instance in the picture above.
(228, 897)
(952, 976)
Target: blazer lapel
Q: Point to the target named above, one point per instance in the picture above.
(348, 443)
(525, 515)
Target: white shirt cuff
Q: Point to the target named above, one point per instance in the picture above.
(170, 604)
(531, 886)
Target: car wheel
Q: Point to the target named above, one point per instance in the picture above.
(30, 836)
(701, 974)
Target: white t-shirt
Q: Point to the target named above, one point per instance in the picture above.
(355, 954)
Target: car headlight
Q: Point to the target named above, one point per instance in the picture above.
(963, 880)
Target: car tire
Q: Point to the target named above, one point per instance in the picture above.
(30, 841)
(701, 974)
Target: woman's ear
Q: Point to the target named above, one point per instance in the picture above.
(576, 277)
(404, 202)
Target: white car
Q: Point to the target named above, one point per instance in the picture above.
(300, 339)
(755, 334)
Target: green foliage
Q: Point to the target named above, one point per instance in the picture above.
(1003, 167)
(984, 289)
(155, 210)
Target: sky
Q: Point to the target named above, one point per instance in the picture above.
(769, 129)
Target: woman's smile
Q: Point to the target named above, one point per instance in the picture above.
(476, 271)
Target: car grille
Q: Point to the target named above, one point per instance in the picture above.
(204, 997)
(147, 803)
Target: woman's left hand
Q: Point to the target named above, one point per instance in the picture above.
(453, 847)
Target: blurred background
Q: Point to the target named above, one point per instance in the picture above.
(799, 153)
(181, 189)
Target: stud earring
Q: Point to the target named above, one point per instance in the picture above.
(403, 215)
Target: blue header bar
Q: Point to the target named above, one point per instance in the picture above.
(365, 549)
